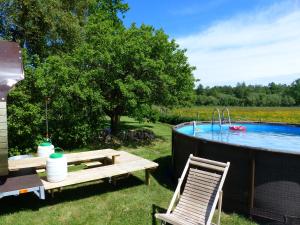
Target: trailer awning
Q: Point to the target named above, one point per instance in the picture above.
(11, 68)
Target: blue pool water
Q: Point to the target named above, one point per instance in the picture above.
(282, 138)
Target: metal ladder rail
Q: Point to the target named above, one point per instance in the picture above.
(194, 128)
(228, 115)
(213, 117)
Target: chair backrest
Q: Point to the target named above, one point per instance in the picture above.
(201, 191)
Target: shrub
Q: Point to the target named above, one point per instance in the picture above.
(175, 119)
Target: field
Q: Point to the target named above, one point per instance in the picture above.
(130, 202)
(263, 114)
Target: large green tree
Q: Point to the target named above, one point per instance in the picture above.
(134, 68)
(49, 27)
(47, 30)
(104, 69)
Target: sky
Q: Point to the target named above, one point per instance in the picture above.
(230, 41)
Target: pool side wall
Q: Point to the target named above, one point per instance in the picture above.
(275, 192)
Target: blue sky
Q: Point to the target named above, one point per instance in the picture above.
(229, 41)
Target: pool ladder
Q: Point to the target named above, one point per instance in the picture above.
(222, 119)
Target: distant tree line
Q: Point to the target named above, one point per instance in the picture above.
(250, 95)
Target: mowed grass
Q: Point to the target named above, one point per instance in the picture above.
(130, 202)
(263, 114)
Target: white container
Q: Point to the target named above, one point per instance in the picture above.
(56, 168)
(45, 149)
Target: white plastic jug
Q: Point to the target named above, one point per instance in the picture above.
(45, 149)
(56, 168)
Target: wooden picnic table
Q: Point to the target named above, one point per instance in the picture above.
(120, 163)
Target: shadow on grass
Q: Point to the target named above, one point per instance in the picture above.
(163, 174)
(127, 144)
(156, 209)
(10, 205)
(117, 141)
(127, 125)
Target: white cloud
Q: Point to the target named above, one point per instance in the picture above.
(259, 47)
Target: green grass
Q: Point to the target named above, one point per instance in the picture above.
(130, 202)
(263, 114)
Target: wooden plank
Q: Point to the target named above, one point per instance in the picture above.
(207, 166)
(200, 181)
(202, 191)
(187, 212)
(209, 174)
(206, 175)
(203, 179)
(138, 165)
(202, 196)
(201, 185)
(2, 105)
(3, 131)
(90, 155)
(208, 161)
(126, 157)
(3, 119)
(183, 206)
(83, 176)
(190, 211)
(72, 158)
(199, 198)
(185, 219)
(92, 164)
(172, 219)
(195, 205)
(3, 111)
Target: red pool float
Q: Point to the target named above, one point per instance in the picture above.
(237, 128)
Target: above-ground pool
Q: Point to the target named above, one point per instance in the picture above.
(274, 137)
(264, 176)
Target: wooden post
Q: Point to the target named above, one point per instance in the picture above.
(104, 161)
(179, 191)
(52, 193)
(220, 207)
(252, 185)
(114, 181)
(147, 176)
(113, 159)
(3, 137)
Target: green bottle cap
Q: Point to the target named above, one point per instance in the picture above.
(56, 155)
(44, 144)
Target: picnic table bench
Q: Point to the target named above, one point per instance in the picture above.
(72, 158)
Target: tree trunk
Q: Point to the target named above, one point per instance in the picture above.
(114, 123)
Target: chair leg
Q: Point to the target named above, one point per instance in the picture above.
(220, 207)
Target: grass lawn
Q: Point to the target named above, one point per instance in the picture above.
(263, 114)
(130, 202)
